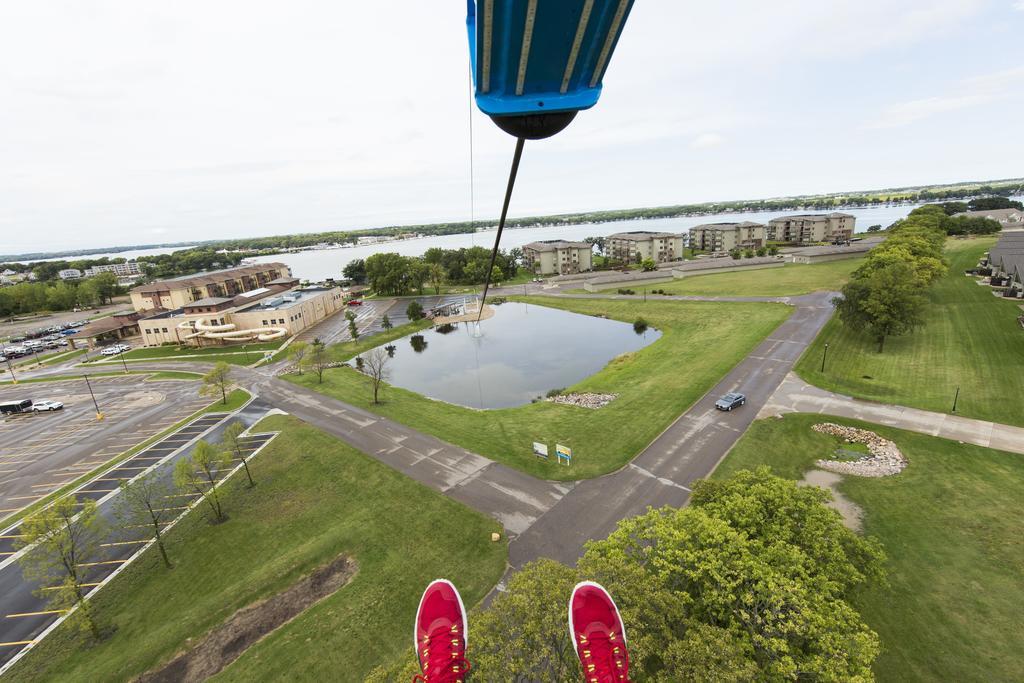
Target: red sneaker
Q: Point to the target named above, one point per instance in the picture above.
(440, 635)
(598, 634)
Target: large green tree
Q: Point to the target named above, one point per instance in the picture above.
(886, 303)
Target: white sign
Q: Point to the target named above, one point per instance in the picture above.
(540, 450)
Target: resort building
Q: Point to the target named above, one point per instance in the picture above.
(69, 274)
(810, 228)
(1005, 264)
(638, 245)
(722, 237)
(1008, 218)
(558, 257)
(175, 293)
(129, 269)
(264, 314)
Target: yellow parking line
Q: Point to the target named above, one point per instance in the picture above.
(12, 535)
(35, 614)
(96, 564)
(26, 497)
(52, 483)
(100, 490)
(9, 509)
(53, 588)
(114, 543)
(16, 643)
(182, 495)
(184, 507)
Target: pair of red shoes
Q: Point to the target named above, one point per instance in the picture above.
(595, 626)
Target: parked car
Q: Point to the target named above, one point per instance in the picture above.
(49, 406)
(111, 351)
(3, 359)
(730, 401)
(355, 302)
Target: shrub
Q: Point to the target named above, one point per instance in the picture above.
(639, 325)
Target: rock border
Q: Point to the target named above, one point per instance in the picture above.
(885, 457)
(591, 401)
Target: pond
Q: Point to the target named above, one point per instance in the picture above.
(519, 354)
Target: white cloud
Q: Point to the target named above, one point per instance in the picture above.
(1019, 5)
(971, 92)
(707, 140)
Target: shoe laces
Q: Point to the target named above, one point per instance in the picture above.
(604, 658)
(442, 657)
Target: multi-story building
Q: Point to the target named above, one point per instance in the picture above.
(810, 228)
(719, 237)
(69, 274)
(1008, 218)
(638, 245)
(176, 292)
(558, 257)
(266, 314)
(129, 269)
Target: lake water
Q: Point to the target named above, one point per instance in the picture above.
(522, 352)
(127, 255)
(320, 264)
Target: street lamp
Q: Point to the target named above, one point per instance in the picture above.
(123, 362)
(956, 397)
(14, 380)
(245, 350)
(99, 415)
(824, 354)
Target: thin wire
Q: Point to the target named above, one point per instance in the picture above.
(501, 223)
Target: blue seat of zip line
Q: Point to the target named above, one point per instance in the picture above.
(536, 63)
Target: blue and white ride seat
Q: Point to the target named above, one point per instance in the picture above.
(536, 63)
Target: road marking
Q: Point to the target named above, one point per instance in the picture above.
(16, 643)
(26, 497)
(12, 536)
(116, 543)
(96, 564)
(98, 490)
(52, 483)
(183, 507)
(54, 588)
(36, 614)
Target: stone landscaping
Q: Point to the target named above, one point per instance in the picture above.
(592, 401)
(885, 458)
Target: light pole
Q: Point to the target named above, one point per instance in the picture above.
(956, 397)
(824, 354)
(14, 380)
(99, 415)
(245, 350)
(123, 362)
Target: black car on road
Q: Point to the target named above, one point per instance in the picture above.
(730, 401)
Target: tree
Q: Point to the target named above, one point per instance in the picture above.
(353, 331)
(736, 254)
(58, 540)
(385, 322)
(436, 276)
(375, 365)
(355, 270)
(198, 474)
(993, 204)
(217, 381)
(773, 250)
(874, 228)
(418, 343)
(143, 503)
(414, 311)
(319, 359)
(887, 303)
(298, 352)
(648, 265)
(233, 443)
(388, 273)
(106, 286)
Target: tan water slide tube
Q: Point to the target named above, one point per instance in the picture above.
(228, 332)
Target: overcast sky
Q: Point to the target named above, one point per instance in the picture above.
(136, 122)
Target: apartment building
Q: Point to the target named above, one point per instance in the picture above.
(129, 269)
(721, 237)
(265, 314)
(638, 245)
(1008, 218)
(558, 257)
(69, 274)
(176, 292)
(810, 228)
(1006, 262)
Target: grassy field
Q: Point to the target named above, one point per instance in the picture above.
(171, 352)
(951, 526)
(654, 385)
(971, 340)
(790, 280)
(308, 507)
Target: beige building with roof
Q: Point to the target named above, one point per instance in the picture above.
(1008, 218)
(558, 257)
(812, 227)
(263, 315)
(176, 292)
(721, 237)
(638, 245)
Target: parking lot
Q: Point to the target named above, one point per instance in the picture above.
(41, 452)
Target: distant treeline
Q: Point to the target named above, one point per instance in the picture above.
(828, 202)
(181, 262)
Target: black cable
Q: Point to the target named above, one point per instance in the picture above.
(501, 223)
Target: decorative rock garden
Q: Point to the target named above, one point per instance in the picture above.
(885, 458)
(592, 401)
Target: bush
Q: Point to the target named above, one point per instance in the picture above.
(555, 392)
(414, 311)
(639, 325)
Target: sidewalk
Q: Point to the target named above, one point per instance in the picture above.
(796, 396)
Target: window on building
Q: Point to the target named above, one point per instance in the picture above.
(165, 330)
(264, 322)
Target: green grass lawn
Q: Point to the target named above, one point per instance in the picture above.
(971, 339)
(790, 280)
(255, 351)
(654, 385)
(172, 374)
(309, 505)
(951, 526)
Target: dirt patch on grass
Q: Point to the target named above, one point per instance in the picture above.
(851, 513)
(247, 626)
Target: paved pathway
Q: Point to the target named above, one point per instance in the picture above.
(796, 396)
